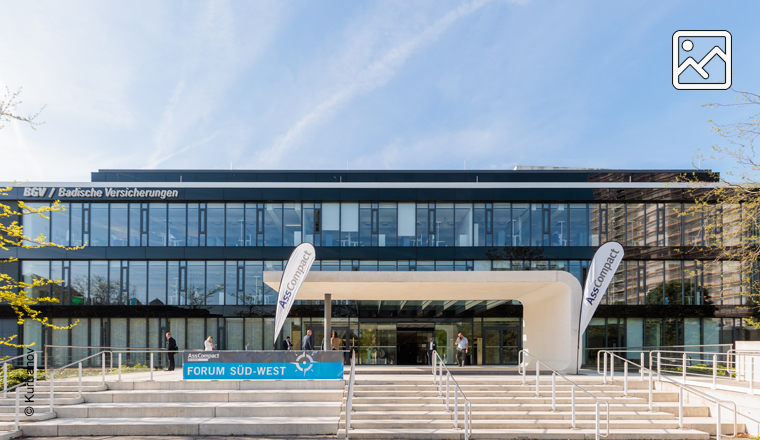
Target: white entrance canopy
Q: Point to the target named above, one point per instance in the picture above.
(550, 299)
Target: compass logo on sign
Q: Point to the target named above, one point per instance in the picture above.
(301, 363)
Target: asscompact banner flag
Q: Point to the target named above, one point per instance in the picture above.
(298, 266)
(603, 266)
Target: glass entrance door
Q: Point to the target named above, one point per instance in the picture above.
(502, 344)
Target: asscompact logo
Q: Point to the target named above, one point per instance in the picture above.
(202, 357)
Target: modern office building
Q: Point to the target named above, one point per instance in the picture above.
(186, 251)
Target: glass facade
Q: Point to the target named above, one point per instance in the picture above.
(352, 224)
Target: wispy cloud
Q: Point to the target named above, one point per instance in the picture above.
(375, 75)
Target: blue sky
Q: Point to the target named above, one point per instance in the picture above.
(364, 85)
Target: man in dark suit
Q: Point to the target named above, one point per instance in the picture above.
(431, 347)
(286, 344)
(307, 343)
(171, 348)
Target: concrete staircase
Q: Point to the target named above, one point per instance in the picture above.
(384, 408)
(179, 407)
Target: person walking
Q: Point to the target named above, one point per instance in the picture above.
(307, 343)
(335, 341)
(463, 346)
(171, 348)
(431, 347)
(286, 344)
(209, 344)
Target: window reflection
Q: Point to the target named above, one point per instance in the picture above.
(235, 225)
(119, 224)
(98, 224)
(177, 224)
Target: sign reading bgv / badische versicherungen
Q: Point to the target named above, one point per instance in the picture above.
(263, 365)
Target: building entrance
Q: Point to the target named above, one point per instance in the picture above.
(502, 345)
(412, 345)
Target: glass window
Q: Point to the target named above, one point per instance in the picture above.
(157, 224)
(654, 282)
(254, 334)
(692, 225)
(138, 277)
(559, 229)
(330, 266)
(235, 328)
(60, 225)
(730, 233)
(173, 283)
(232, 284)
(235, 225)
(520, 224)
(634, 282)
(616, 222)
(463, 224)
(502, 224)
(537, 224)
(406, 224)
(673, 224)
(250, 224)
(636, 224)
(422, 225)
(594, 224)
(76, 224)
(98, 224)
(349, 224)
(101, 291)
(254, 291)
(365, 224)
(425, 266)
(177, 224)
(387, 225)
(138, 336)
(291, 213)
(479, 225)
(135, 224)
(331, 224)
(215, 224)
(196, 283)
(273, 224)
(36, 225)
(215, 283)
(444, 224)
(578, 229)
(673, 283)
(192, 224)
(79, 291)
(387, 266)
(653, 333)
(36, 270)
(119, 224)
(652, 225)
(308, 223)
(196, 333)
(732, 282)
(616, 295)
(368, 265)
(156, 283)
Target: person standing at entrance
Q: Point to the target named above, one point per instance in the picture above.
(463, 346)
(286, 344)
(171, 348)
(209, 344)
(335, 341)
(307, 343)
(431, 347)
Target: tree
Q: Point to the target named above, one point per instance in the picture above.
(730, 210)
(18, 294)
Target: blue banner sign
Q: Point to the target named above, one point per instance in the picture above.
(263, 365)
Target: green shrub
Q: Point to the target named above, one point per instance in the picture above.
(19, 375)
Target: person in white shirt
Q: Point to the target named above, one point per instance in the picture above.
(209, 343)
(431, 347)
(463, 346)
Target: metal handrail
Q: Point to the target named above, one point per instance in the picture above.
(5, 369)
(467, 403)
(349, 398)
(521, 368)
(681, 388)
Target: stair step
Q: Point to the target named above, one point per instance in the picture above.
(509, 434)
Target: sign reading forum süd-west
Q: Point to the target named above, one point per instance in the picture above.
(262, 365)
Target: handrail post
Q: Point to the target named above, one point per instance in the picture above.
(715, 372)
(34, 378)
(751, 375)
(680, 407)
(433, 362)
(17, 409)
(151, 366)
(456, 410)
(467, 421)
(683, 362)
(52, 378)
(524, 367)
(103, 366)
(537, 378)
(641, 369)
(119, 366)
(625, 378)
(658, 366)
(717, 416)
(447, 391)
(572, 405)
(605, 368)
(612, 368)
(80, 379)
(596, 423)
(651, 393)
(5, 380)
(554, 392)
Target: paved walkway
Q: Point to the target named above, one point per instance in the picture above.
(171, 437)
